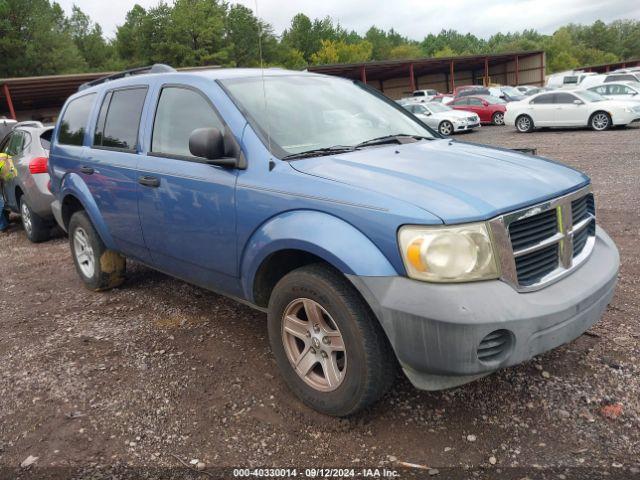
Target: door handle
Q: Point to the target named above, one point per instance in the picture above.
(148, 181)
(86, 170)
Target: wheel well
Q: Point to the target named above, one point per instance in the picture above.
(523, 115)
(70, 205)
(19, 194)
(597, 112)
(276, 266)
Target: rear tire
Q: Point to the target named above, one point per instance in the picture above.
(600, 121)
(497, 118)
(36, 229)
(349, 371)
(98, 267)
(524, 124)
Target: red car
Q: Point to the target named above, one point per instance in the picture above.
(489, 109)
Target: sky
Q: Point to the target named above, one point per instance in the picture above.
(413, 18)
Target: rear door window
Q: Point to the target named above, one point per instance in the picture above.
(119, 119)
(601, 90)
(74, 120)
(543, 99)
(180, 111)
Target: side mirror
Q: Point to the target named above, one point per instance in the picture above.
(208, 143)
(485, 103)
(578, 102)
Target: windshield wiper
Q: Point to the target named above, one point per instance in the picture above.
(318, 152)
(397, 138)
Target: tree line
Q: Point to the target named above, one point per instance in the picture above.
(38, 38)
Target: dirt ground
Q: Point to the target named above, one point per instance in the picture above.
(108, 385)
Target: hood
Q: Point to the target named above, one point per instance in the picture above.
(458, 182)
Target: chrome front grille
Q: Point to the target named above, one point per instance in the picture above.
(541, 244)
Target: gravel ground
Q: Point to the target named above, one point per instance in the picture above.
(100, 385)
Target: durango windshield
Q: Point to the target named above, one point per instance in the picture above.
(303, 113)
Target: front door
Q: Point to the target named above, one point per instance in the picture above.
(476, 106)
(568, 112)
(187, 207)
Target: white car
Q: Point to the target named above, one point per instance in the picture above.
(444, 119)
(419, 96)
(629, 91)
(570, 108)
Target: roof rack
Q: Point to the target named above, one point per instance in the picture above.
(155, 68)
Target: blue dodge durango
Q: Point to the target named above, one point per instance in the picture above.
(373, 244)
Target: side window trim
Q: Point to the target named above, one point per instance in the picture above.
(110, 93)
(100, 122)
(226, 133)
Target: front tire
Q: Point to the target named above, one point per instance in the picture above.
(36, 229)
(600, 121)
(498, 118)
(524, 124)
(328, 346)
(445, 128)
(98, 267)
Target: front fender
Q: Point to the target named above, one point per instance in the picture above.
(73, 185)
(330, 238)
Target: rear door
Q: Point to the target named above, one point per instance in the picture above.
(187, 207)
(110, 167)
(543, 110)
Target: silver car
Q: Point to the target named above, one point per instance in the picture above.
(25, 183)
(444, 119)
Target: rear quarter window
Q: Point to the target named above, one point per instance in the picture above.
(74, 120)
(45, 139)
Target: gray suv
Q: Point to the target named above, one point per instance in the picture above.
(25, 186)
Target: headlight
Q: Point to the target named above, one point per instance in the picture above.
(448, 254)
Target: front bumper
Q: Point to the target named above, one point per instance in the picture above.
(436, 329)
(625, 118)
(465, 127)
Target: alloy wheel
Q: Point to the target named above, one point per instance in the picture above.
(600, 121)
(27, 221)
(83, 252)
(498, 119)
(314, 345)
(446, 128)
(524, 124)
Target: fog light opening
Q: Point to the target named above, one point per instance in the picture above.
(496, 346)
